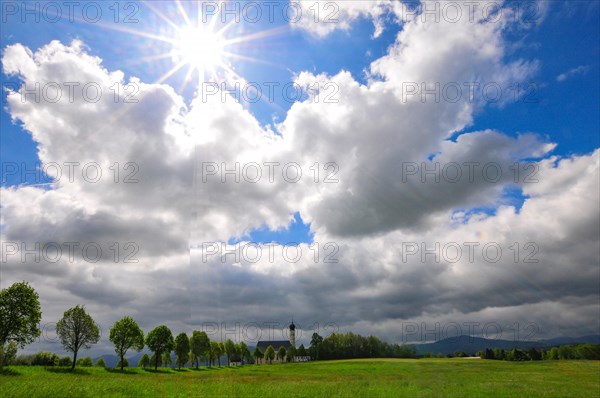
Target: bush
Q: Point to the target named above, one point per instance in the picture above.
(125, 363)
(64, 361)
(45, 359)
(8, 353)
(100, 363)
(23, 360)
(86, 362)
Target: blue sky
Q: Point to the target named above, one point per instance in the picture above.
(368, 214)
(562, 110)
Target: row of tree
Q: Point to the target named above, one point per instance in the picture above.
(20, 315)
(350, 345)
(579, 351)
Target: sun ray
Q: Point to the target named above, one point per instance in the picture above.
(138, 33)
(186, 79)
(203, 43)
(183, 13)
(149, 58)
(170, 72)
(253, 60)
(160, 14)
(259, 35)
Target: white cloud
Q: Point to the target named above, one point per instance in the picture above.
(370, 133)
(580, 70)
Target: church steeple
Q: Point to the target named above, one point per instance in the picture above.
(293, 334)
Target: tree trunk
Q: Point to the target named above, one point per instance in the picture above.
(122, 362)
(156, 361)
(74, 359)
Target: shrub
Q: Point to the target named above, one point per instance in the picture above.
(85, 361)
(8, 353)
(45, 359)
(23, 360)
(64, 361)
(100, 363)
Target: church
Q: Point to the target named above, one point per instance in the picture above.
(264, 344)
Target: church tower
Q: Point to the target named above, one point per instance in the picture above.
(293, 334)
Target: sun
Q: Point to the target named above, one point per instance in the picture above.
(207, 46)
(200, 48)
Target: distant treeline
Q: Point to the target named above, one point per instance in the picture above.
(350, 345)
(580, 351)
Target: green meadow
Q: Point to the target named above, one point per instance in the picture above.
(457, 377)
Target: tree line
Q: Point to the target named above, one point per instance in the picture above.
(350, 346)
(20, 315)
(578, 351)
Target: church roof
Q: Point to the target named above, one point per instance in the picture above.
(275, 343)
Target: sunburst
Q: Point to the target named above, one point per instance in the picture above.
(200, 44)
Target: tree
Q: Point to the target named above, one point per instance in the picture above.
(20, 315)
(144, 361)
(290, 354)
(245, 353)
(258, 354)
(229, 350)
(182, 349)
(159, 341)
(200, 346)
(215, 352)
(123, 363)
(302, 351)
(167, 360)
(77, 329)
(221, 351)
(315, 345)
(281, 353)
(270, 353)
(100, 363)
(126, 334)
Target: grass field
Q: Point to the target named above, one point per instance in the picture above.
(353, 378)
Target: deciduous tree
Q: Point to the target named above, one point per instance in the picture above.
(77, 329)
(270, 354)
(229, 350)
(126, 334)
(258, 354)
(182, 349)
(20, 315)
(159, 341)
(200, 346)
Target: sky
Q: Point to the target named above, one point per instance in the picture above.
(404, 169)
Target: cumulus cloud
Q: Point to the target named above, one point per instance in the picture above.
(396, 151)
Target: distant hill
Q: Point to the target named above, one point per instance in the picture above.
(468, 344)
(471, 345)
(593, 339)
